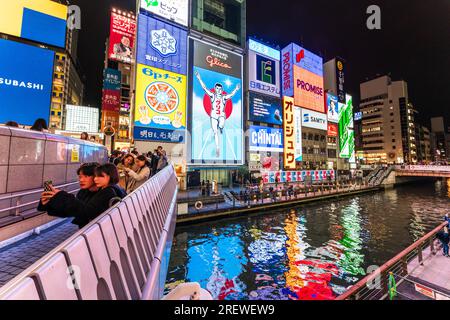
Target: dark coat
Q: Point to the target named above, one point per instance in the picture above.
(443, 236)
(83, 208)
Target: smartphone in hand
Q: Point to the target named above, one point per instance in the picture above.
(47, 185)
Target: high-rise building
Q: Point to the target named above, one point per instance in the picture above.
(423, 144)
(440, 139)
(388, 129)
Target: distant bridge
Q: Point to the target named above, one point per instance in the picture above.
(422, 171)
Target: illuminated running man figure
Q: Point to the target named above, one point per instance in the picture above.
(218, 103)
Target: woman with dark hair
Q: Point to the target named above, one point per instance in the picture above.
(40, 125)
(84, 136)
(63, 204)
(140, 176)
(12, 124)
(128, 161)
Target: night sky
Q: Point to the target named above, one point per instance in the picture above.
(413, 44)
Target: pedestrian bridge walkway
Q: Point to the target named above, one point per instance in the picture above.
(420, 272)
(123, 254)
(423, 171)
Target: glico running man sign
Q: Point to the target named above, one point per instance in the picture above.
(216, 122)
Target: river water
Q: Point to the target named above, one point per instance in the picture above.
(308, 252)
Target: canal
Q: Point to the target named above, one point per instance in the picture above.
(308, 252)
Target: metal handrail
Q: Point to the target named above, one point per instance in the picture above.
(19, 196)
(402, 258)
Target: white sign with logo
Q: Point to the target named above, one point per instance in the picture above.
(314, 120)
(174, 10)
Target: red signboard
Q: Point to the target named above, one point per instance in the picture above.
(111, 100)
(333, 130)
(121, 38)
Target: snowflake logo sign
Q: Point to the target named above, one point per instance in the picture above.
(163, 42)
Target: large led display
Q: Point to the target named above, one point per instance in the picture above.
(41, 21)
(160, 103)
(174, 10)
(161, 45)
(121, 38)
(265, 139)
(346, 133)
(26, 74)
(82, 119)
(265, 109)
(264, 69)
(332, 108)
(294, 55)
(308, 92)
(216, 121)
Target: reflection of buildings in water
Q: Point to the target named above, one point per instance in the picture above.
(352, 259)
(448, 187)
(306, 279)
(217, 263)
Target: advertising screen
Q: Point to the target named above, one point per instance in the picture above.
(358, 116)
(264, 69)
(333, 130)
(161, 45)
(160, 100)
(265, 109)
(82, 119)
(25, 82)
(294, 55)
(289, 133)
(265, 139)
(41, 21)
(298, 134)
(349, 109)
(308, 92)
(112, 79)
(347, 144)
(314, 120)
(174, 10)
(217, 108)
(332, 108)
(121, 38)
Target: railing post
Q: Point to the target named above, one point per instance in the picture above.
(432, 248)
(404, 266)
(17, 213)
(419, 253)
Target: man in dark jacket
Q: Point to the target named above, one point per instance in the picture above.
(444, 237)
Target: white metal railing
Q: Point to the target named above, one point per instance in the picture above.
(20, 196)
(122, 254)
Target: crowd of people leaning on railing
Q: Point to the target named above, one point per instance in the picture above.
(102, 186)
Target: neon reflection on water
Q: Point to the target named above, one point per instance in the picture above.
(217, 264)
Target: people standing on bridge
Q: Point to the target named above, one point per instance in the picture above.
(40, 125)
(162, 162)
(84, 136)
(444, 237)
(128, 161)
(63, 204)
(140, 176)
(446, 218)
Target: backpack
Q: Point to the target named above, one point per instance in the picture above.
(120, 194)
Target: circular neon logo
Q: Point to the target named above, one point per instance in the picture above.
(162, 97)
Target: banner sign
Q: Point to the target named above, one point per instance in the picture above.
(332, 108)
(264, 69)
(333, 130)
(289, 133)
(112, 79)
(217, 108)
(121, 38)
(340, 77)
(265, 109)
(152, 134)
(161, 45)
(314, 120)
(111, 100)
(265, 139)
(313, 176)
(174, 10)
(160, 99)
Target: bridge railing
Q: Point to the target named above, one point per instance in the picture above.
(123, 254)
(375, 285)
(423, 168)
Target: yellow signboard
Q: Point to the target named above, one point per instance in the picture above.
(39, 20)
(289, 133)
(75, 153)
(160, 99)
